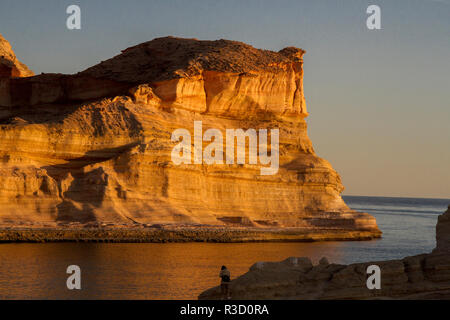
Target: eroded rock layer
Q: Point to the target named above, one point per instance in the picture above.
(96, 146)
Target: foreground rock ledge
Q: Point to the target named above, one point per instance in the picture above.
(425, 276)
(177, 234)
(95, 147)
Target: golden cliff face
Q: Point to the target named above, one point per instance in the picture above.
(96, 146)
(10, 66)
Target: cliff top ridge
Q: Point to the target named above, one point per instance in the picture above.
(170, 57)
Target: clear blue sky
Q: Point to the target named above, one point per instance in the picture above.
(379, 101)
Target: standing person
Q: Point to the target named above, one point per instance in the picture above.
(225, 282)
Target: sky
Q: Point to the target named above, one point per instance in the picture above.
(379, 100)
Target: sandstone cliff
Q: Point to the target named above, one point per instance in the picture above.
(96, 146)
(425, 276)
(10, 66)
(443, 233)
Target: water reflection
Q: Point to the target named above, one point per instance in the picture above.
(136, 271)
(182, 271)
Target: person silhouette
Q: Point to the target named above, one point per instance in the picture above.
(225, 282)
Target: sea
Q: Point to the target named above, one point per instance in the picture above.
(184, 270)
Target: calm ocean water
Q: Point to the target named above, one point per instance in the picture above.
(183, 270)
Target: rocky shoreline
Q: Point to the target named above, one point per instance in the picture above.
(425, 276)
(178, 234)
